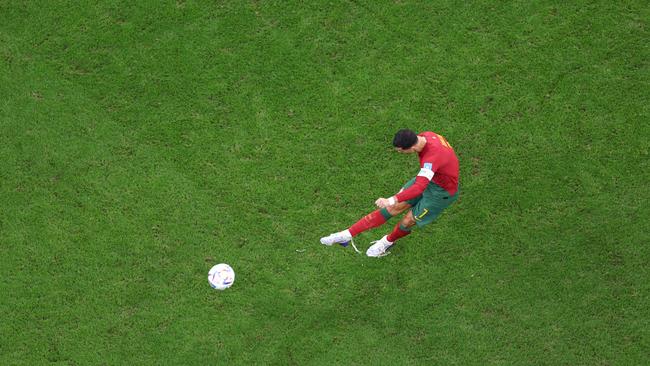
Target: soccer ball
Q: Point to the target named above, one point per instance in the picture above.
(221, 276)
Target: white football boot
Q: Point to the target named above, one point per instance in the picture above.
(379, 248)
(342, 237)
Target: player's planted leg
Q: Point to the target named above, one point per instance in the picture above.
(380, 247)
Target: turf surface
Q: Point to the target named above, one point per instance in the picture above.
(143, 142)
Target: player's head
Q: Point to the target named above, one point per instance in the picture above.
(405, 140)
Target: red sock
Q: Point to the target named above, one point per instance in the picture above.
(371, 220)
(398, 232)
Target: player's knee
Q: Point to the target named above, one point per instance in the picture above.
(398, 208)
(408, 221)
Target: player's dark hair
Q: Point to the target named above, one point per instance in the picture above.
(405, 139)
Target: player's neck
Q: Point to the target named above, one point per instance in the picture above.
(419, 146)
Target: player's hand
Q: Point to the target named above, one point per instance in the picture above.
(381, 202)
(385, 202)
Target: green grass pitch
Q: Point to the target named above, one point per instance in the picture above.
(142, 142)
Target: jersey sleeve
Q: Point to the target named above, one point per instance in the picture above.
(421, 181)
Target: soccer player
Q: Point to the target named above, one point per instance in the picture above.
(427, 195)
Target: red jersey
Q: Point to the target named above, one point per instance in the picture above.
(438, 165)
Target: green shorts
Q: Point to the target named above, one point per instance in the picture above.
(430, 204)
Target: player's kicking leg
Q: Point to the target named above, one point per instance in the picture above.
(372, 220)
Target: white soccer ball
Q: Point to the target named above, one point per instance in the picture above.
(221, 276)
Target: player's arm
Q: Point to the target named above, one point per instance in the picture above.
(421, 181)
(413, 191)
